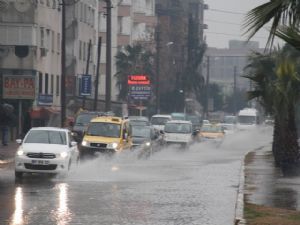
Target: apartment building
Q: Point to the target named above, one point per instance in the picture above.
(228, 64)
(133, 21)
(30, 54)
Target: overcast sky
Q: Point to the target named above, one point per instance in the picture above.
(223, 27)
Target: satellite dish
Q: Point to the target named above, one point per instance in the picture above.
(22, 5)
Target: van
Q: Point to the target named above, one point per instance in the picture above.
(158, 121)
(107, 134)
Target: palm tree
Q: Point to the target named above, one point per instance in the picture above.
(278, 12)
(132, 60)
(277, 86)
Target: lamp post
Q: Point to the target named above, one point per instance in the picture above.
(108, 56)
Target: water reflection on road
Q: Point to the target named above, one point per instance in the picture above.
(195, 186)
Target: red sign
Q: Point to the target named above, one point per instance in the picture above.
(138, 80)
(18, 87)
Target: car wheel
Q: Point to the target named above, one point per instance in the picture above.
(18, 175)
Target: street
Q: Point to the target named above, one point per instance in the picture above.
(195, 186)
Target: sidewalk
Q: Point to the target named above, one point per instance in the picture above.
(7, 153)
(269, 197)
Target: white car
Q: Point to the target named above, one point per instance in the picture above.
(46, 150)
(178, 132)
(158, 121)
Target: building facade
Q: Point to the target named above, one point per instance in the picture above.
(30, 49)
(228, 64)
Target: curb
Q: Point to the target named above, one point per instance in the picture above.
(239, 206)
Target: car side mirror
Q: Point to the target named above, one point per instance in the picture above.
(19, 141)
(161, 132)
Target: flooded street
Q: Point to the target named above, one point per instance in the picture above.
(173, 186)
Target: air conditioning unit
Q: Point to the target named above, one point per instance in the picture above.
(43, 52)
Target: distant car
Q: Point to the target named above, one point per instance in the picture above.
(46, 150)
(81, 122)
(178, 116)
(178, 132)
(213, 132)
(145, 138)
(138, 120)
(158, 121)
(195, 120)
(229, 124)
(205, 122)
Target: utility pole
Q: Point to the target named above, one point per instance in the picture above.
(207, 87)
(97, 73)
(108, 57)
(157, 69)
(87, 69)
(63, 65)
(234, 90)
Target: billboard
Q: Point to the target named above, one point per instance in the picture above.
(18, 87)
(86, 85)
(138, 80)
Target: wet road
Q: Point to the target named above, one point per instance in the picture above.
(196, 186)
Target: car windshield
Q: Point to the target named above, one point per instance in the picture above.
(230, 119)
(84, 119)
(178, 128)
(159, 120)
(247, 119)
(141, 131)
(211, 129)
(46, 137)
(104, 129)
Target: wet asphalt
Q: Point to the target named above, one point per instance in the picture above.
(173, 186)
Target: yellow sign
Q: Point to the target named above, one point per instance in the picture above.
(18, 87)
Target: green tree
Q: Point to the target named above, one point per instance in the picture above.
(132, 60)
(277, 86)
(278, 12)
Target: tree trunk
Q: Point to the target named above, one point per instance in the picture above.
(276, 142)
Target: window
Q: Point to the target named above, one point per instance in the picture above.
(46, 83)
(40, 83)
(58, 42)
(57, 85)
(42, 37)
(80, 50)
(52, 41)
(52, 85)
(48, 39)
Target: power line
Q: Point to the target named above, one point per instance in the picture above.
(226, 11)
(223, 22)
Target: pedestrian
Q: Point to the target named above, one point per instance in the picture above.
(6, 119)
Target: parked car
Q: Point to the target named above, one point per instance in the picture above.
(46, 150)
(178, 132)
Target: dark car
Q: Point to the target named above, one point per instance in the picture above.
(138, 120)
(145, 138)
(81, 122)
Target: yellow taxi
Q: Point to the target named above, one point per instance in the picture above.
(106, 134)
(212, 132)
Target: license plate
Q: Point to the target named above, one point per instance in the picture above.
(40, 162)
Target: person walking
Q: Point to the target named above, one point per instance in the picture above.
(6, 117)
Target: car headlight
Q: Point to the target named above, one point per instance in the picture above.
(20, 152)
(112, 145)
(84, 143)
(63, 155)
(148, 144)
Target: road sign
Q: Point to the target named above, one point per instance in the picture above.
(140, 92)
(86, 85)
(138, 80)
(18, 87)
(45, 100)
